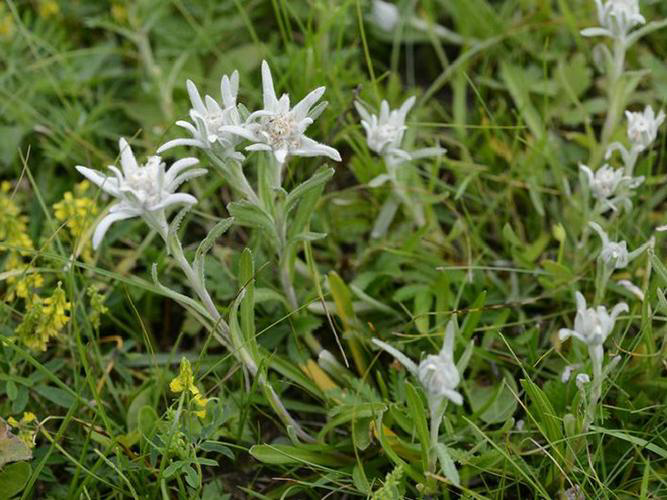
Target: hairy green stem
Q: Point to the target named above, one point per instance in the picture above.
(236, 345)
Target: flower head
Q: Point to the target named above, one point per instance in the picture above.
(185, 382)
(384, 133)
(615, 254)
(592, 326)
(438, 374)
(610, 186)
(643, 127)
(209, 117)
(385, 15)
(617, 18)
(145, 191)
(279, 128)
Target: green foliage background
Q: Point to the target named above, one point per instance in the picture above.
(517, 105)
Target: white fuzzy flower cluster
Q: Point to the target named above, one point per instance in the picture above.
(146, 191)
(208, 119)
(642, 132)
(438, 374)
(614, 254)
(277, 128)
(611, 187)
(592, 326)
(643, 127)
(617, 18)
(384, 133)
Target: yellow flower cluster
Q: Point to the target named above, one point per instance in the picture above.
(27, 428)
(43, 319)
(6, 22)
(97, 306)
(185, 382)
(15, 241)
(78, 212)
(47, 8)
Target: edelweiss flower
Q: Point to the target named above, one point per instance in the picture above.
(143, 191)
(643, 127)
(384, 133)
(615, 254)
(592, 326)
(209, 118)
(610, 186)
(438, 374)
(617, 18)
(280, 129)
(385, 15)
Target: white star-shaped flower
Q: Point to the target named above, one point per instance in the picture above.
(610, 187)
(384, 133)
(615, 253)
(438, 374)
(145, 191)
(279, 128)
(643, 127)
(208, 119)
(592, 326)
(617, 18)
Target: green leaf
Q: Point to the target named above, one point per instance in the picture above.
(447, 464)
(473, 317)
(416, 407)
(247, 283)
(316, 182)
(283, 454)
(544, 416)
(422, 307)
(515, 80)
(13, 479)
(207, 243)
(249, 215)
(55, 395)
(12, 449)
(494, 403)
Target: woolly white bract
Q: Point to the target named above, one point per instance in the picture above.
(643, 127)
(384, 133)
(438, 374)
(611, 186)
(617, 18)
(145, 191)
(592, 326)
(209, 118)
(615, 254)
(279, 128)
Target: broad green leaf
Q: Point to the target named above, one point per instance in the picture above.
(494, 403)
(12, 449)
(13, 478)
(282, 454)
(419, 417)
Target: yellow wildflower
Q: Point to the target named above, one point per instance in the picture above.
(15, 241)
(6, 22)
(47, 8)
(27, 428)
(97, 306)
(78, 212)
(185, 382)
(118, 12)
(43, 319)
